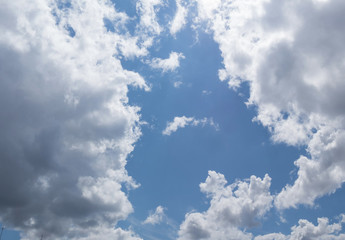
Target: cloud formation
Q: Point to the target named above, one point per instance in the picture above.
(232, 207)
(169, 64)
(179, 20)
(181, 122)
(156, 217)
(291, 55)
(66, 125)
(148, 16)
(237, 207)
(307, 230)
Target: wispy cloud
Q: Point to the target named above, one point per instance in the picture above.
(156, 217)
(181, 122)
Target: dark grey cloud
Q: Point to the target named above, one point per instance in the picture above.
(66, 126)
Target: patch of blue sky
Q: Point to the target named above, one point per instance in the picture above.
(170, 168)
(9, 234)
(129, 7)
(70, 30)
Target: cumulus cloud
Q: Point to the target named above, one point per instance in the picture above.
(156, 217)
(148, 17)
(232, 208)
(291, 55)
(66, 125)
(307, 230)
(181, 122)
(169, 64)
(179, 20)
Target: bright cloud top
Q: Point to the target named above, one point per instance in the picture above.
(232, 207)
(181, 122)
(169, 64)
(156, 217)
(238, 206)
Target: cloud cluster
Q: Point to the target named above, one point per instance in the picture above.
(169, 64)
(292, 56)
(307, 230)
(238, 206)
(181, 122)
(232, 207)
(66, 125)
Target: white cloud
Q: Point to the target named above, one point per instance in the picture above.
(179, 20)
(67, 127)
(181, 122)
(232, 207)
(307, 230)
(148, 18)
(291, 54)
(236, 207)
(156, 217)
(319, 175)
(169, 64)
(178, 84)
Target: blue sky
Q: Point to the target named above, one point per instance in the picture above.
(155, 119)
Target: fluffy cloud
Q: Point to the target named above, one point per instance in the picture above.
(169, 64)
(307, 230)
(179, 20)
(148, 18)
(181, 122)
(232, 207)
(291, 54)
(66, 126)
(238, 206)
(156, 217)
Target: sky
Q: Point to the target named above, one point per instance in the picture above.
(172, 119)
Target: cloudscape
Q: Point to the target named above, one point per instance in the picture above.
(172, 119)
